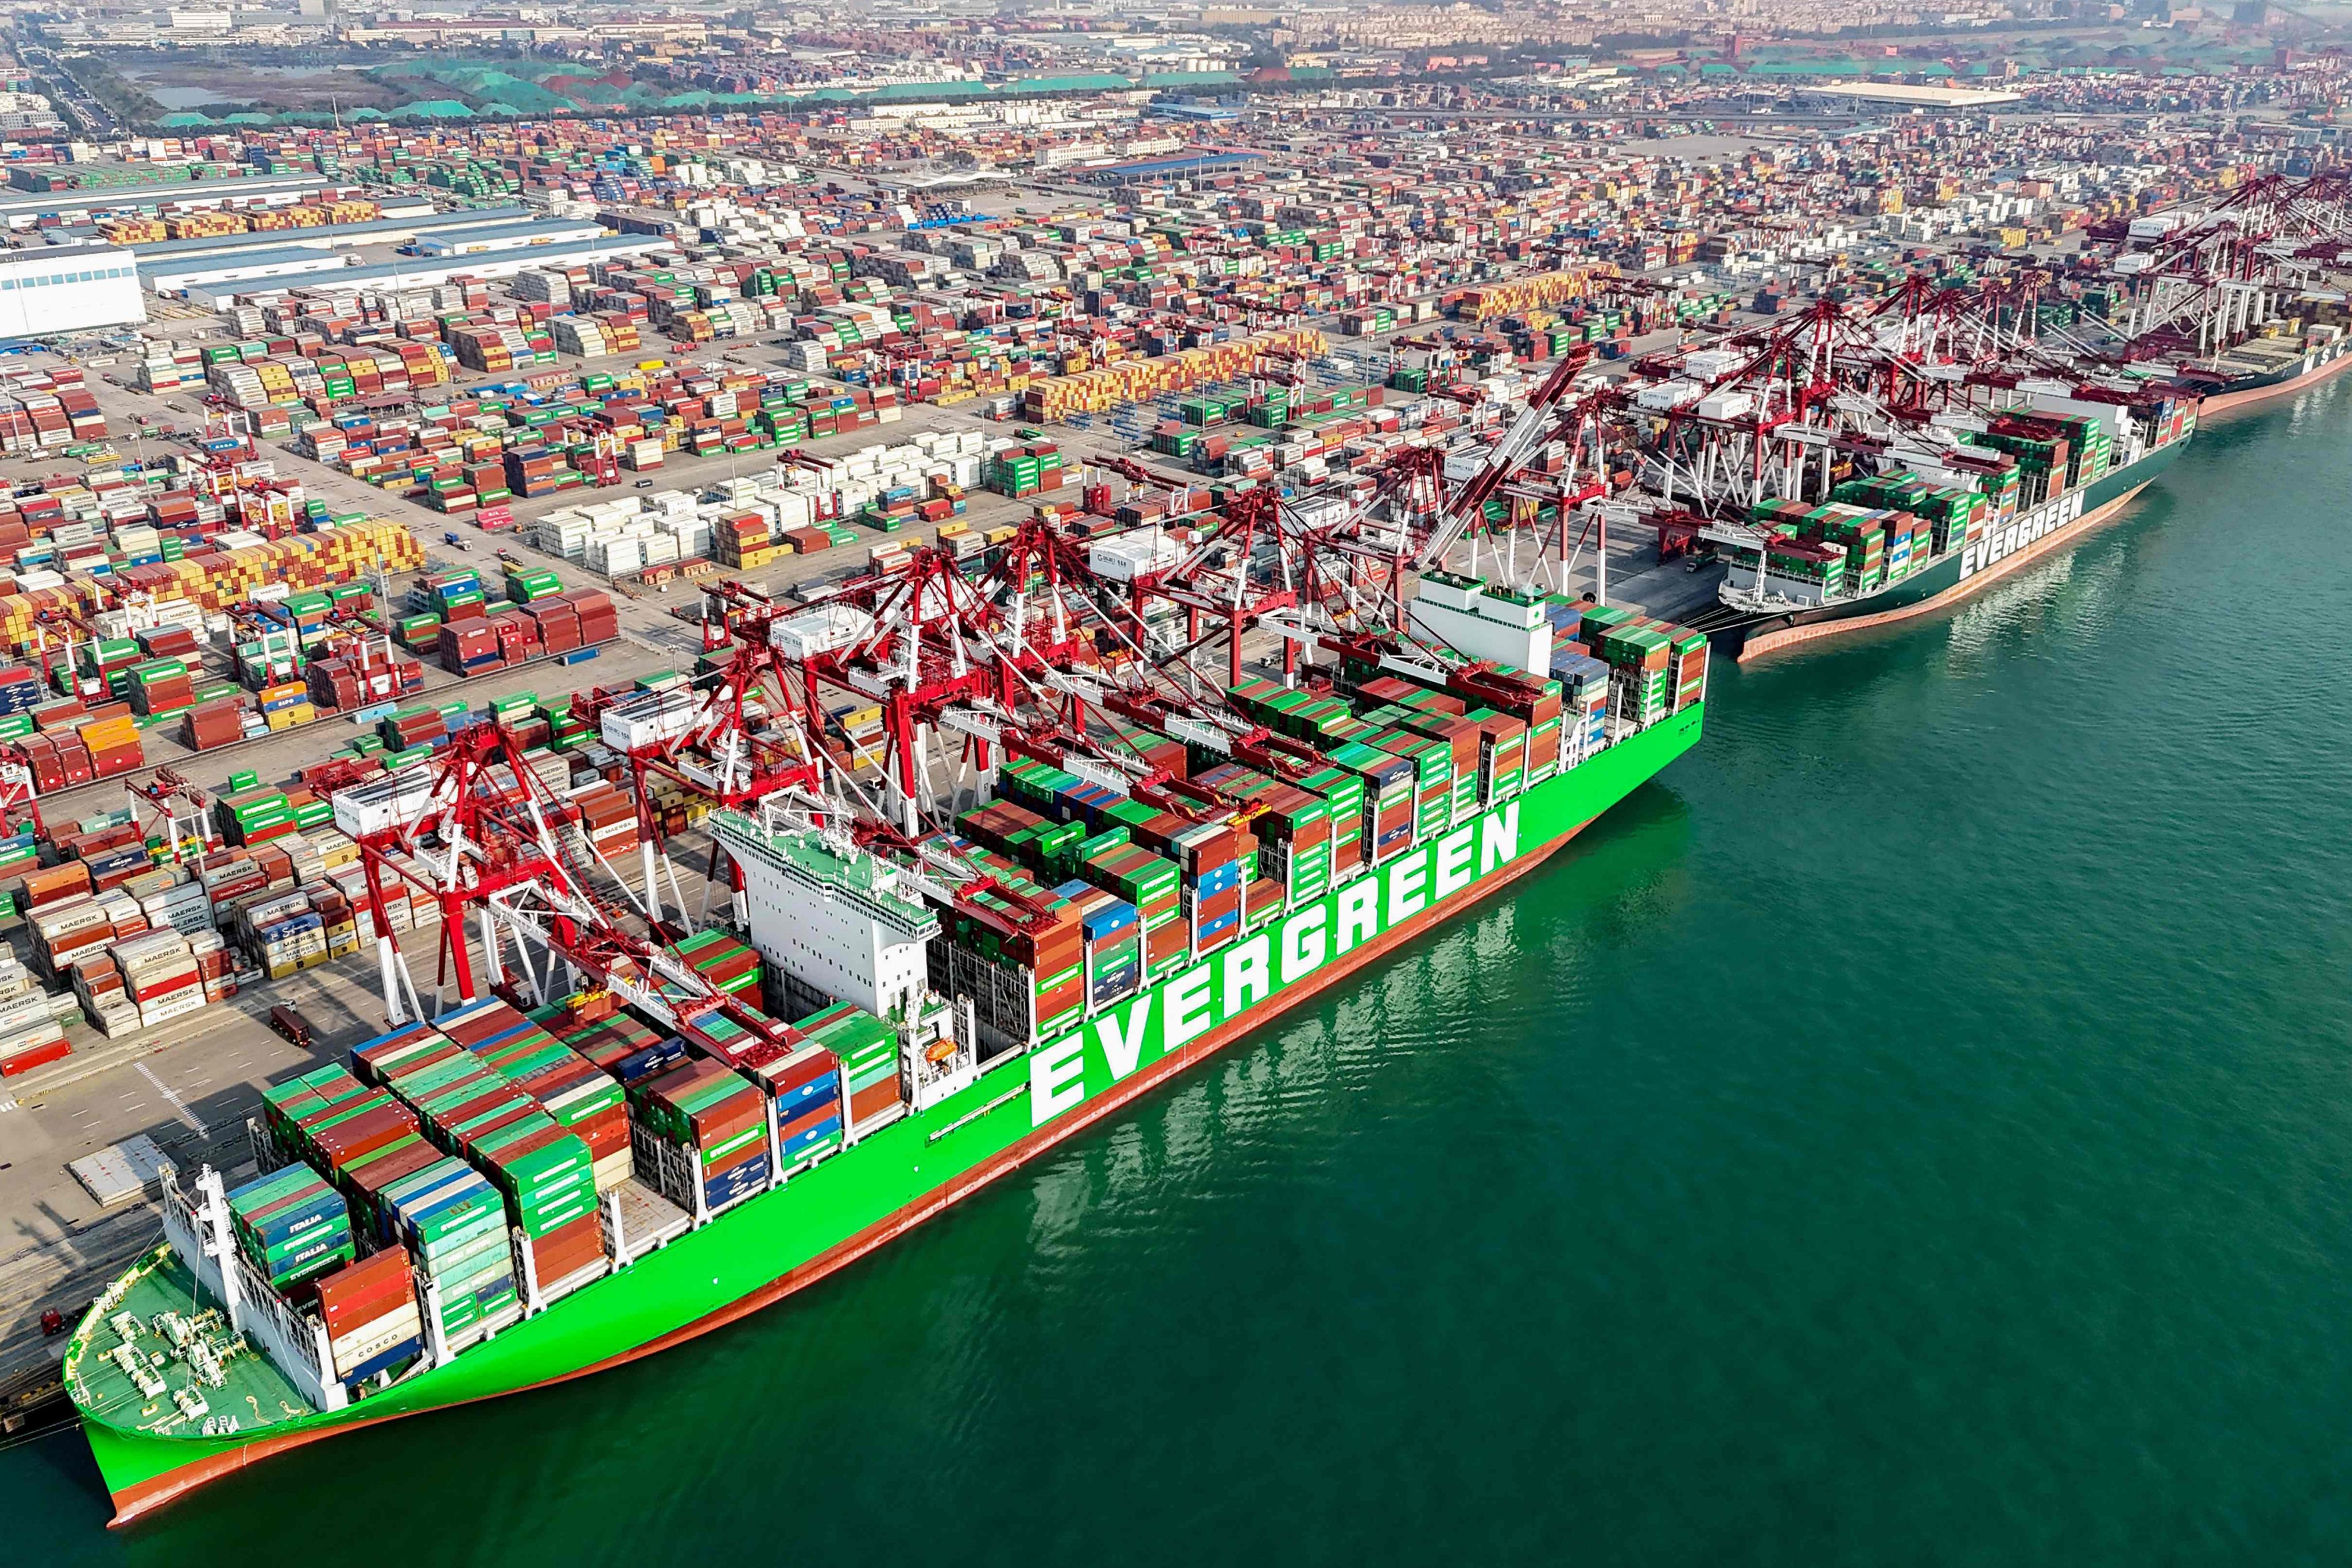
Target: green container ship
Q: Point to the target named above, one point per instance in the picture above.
(1804, 597)
(191, 1366)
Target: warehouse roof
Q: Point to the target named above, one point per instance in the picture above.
(373, 230)
(1926, 97)
(1201, 162)
(171, 272)
(551, 227)
(163, 190)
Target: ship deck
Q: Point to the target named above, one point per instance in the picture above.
(2258, 356)
(251, 1392)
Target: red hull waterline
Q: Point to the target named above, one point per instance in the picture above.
(2064, 538)
(2230, 401)
(151, 1495)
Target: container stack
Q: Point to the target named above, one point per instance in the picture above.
(253, 817)
(868, 1052)
(412, 727)
(1689, 666)
(161, 686)
(160, 975)
(1149, 882)
(291, 1226)
(548, 1178)
(212, 724)
(1433, 777)
(283, 935)
(744, 540)
(1113, 933)
(1099, 390)
(1208, 854)
(1294, 829)
(1388, 784)
(31, 1034)
(1584, 693)
(453, 1224)
(703, 1131)
(67, 928)
(726, 963)
(334, 1121)
(805, 1084)
(369, 1311)
(1024, 469)
(1640, 657)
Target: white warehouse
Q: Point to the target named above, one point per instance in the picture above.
(69, 288)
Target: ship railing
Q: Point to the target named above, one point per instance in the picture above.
(872, 1124)
(616, 1234)
(184, 1230)
(539, 1295)
(295, 1344)
(198, 1229)
(625, 1242)
(268, 1153)
(483, 1329)
(674, 1173)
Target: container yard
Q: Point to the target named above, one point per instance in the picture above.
(723, 675)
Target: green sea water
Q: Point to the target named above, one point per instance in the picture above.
(1917, 1128)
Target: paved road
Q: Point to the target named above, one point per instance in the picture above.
(95, 119)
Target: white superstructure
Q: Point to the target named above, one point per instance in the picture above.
(831, 916)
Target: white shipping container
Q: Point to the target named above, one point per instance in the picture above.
(22, 1013)
(139, 950)
(372, 1338)
(648, 720)
(54, 920)
(176, 1004)
(380, 804)
(48, 1032)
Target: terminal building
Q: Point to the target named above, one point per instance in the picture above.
(69, 289)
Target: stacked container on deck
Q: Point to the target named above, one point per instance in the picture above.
(373, 1325)
(867, 1050)
(454, 1225)
(702, 1133)
(291, 1226)
(471, 1109)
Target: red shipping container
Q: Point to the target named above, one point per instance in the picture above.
(34, 1057)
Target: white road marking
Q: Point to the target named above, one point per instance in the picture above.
(179, 1106)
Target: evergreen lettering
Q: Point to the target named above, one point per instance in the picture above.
(1408, 880)
(1454, 861)
(1359, 912)
(1057, 1078)
(1302, 944)
(1123, 1048)
(1188, 1009)
(1247, 980)
(1498, 837)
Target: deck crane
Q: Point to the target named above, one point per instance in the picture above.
(477, 831)
(1212, 582)
(1586, 428)
(1137, 474)
(1452, 511)
(18, 802)
(2204, 284)
(743, 741)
